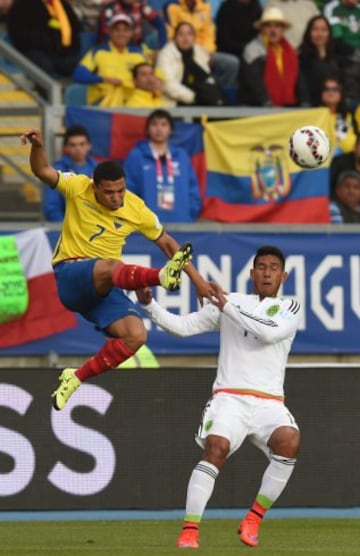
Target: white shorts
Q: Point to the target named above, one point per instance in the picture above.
(237, 417)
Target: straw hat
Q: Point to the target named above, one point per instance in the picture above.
(271, 15)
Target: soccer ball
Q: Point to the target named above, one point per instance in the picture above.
(309, 147)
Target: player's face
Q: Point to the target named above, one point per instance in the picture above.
(267, 276)
(110, 194)
(77, 148)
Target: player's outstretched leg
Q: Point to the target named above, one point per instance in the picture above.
(69, 384)
(170, 273)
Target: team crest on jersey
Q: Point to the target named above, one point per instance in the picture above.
(208, 425)
(271, 311)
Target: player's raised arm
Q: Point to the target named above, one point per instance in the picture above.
(39, 163)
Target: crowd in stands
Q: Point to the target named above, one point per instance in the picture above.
(281, 53)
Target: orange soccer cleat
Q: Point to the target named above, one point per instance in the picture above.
(188, 538)
(249, 529)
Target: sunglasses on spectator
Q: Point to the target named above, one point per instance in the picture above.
(333, 89)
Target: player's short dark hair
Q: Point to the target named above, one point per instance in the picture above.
(108, 170)
(270, 250)
(76, 130)
(159, 114)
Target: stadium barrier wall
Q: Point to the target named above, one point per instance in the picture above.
(324, 275)
(126, 441)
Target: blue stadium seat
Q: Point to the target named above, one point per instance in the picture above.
(87, 41)
(75, 95)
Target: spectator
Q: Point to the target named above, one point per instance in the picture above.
(270, 67)
(88, 12)
(342, 162)
(140, 13)
(148, 91)
(47, 33)
(344, 208)
(344, 18)
(332, 96)
(108, 68)
(225, 66)
(186, 69)
(161, 173)
(317, 56)
(298, 13)
(235, 25)
(76, 159)
(5, 6)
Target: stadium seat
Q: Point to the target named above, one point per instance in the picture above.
(87, 41)
(75, 95)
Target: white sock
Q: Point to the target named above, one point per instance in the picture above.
(200, 488)
(275, 479)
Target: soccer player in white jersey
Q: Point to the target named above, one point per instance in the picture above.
(256, 333)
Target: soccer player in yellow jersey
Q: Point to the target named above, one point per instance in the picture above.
(100, 214)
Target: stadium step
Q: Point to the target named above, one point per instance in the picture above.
(18, 196)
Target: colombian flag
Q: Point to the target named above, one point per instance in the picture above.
(114, 134)
(251, 178)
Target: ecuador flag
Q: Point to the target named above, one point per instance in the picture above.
(251, 178)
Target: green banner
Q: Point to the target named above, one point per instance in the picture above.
(14, 296)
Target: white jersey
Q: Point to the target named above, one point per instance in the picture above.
(255, 340)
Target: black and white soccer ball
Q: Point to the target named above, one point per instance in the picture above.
(309, 147)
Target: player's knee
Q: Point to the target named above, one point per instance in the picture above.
(136, 338)
(216, 450)
(285, 441)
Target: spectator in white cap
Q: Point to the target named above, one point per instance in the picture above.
(269, 70)
(298, 13)
(107, 68)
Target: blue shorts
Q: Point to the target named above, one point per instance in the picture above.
(77, 293)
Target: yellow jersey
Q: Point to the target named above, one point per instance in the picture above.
(90, 230)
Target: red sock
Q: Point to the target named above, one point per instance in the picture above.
(258, 510)
(133, 277)
(190, 525)
(110, 355)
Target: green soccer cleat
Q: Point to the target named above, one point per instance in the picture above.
(69, 384)
(170, 274)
